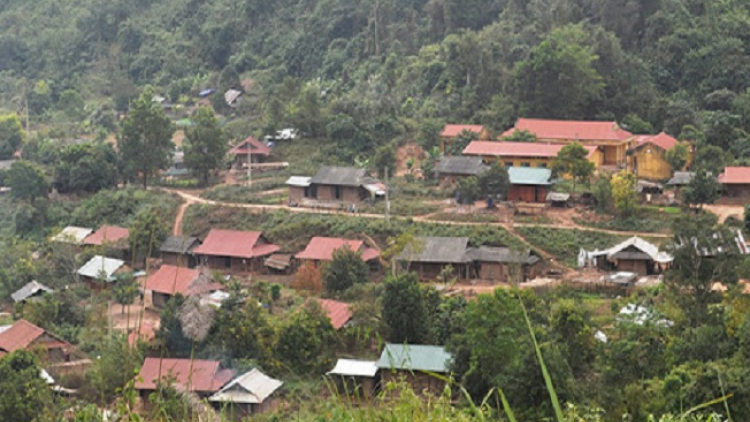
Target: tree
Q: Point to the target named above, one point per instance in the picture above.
(205, 144)
(86, 168)
(146, 234)
(494, 182)
(26, 181)
(603, 192)
(623, 193)
(384, 157)
(307, 340)
(468, 190)
(170, 332)
(404, 309)
(25, 393)
(704, 252)
(125, 290)
(344, 270)
(145, 140)
(242, 330)
(460, 142)
(710, 158)
(559, 78)
(677, 157)
(11, 135)
(521, 136)
(702, 189)
(573, 161)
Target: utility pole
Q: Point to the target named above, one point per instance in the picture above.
(249, 165)
(387, 200)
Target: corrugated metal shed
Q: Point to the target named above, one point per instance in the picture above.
(502, 255)
(299, 181)
(30, 289)
(354, 368)
(412, 357)
(466, 166)
(253, 387)
(98, 265)
(72, 234)
(342, 176)
(179, 244)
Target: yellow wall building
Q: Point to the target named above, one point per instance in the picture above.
(523, 154)
(647, 157)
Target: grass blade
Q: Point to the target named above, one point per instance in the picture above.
(545, 373)
(506, 406)
(705, 405)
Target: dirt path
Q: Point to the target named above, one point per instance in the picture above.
(725, 211)
(190, 198)
(177, 229)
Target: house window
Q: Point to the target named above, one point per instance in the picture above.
(307, 192)
(509, 164)
(525, 164)
(227, 262)
(313, 191)
(337, 192)
(543, 165)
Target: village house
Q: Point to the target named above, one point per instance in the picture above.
(321, 249)
(248, 394)
(72, 235)
(451, 131)
(178, 251)
(503, 264)
(334, 186)
(207, 376)
(110, 236)
(736, 182)
(528, 184)
(523, 154)
(416, 365)
(55, 354)
(608, 137)
(452, 168)
(357, 378)
(634, 255)
(99, 271)
(32, 290)
(258, 152)
(432, 257)
(647, 158)
(170, 280)
(340, 313)
(233, 250)
(679, 180)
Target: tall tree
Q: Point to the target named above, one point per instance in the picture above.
(146, 234)
(307, 340)
(677, 156)
(572, 160)
(559, 78)
(205, 144)
(26, 181)
(145, 141)
(702, 189)
(404, 309)
(11, 135)
(345, 269)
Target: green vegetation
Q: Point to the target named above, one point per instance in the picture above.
(565, 243)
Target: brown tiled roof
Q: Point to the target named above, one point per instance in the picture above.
(338, 312)
(321, 248)
(451, 131)
(234, 243)
(735, 176)
(571, 129)
(255, 146)
(170, 280)
(662, 140)
(107, 234)
(516, 149)
(207, 375)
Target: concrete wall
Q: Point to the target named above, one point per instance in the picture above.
(737, 191)
(347, 193)
(649, 162)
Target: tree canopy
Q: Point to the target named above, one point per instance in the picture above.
(205, 144)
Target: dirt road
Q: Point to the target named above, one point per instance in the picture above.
(725, 211)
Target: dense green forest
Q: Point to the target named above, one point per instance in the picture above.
(363, 73)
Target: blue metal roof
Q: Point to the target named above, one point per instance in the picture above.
(529, 176)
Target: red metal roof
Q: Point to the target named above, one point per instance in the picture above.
(107, 234)
(662, 140)
(19, 336)
(207, 375)
(451, 131)
(234, 243)
(735, 176)
(321, 248)
(256, 147)
(516, 149)
(571, 129)
(339, 312)
(170, 280)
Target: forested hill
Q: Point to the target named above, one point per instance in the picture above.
(382, 68)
